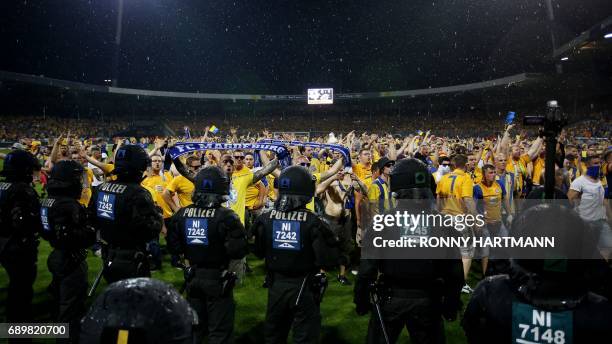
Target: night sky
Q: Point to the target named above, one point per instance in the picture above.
(284, 47)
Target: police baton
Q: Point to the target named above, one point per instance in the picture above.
(376, 301)
(98, 277)
(297, 300)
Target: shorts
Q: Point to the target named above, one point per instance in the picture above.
(483, 233)
(471, 251)
(497, 230)
(341, 227)
(467, 251)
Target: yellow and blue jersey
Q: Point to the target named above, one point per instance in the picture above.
(489, 200)
(380, 194)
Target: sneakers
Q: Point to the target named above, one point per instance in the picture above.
(98, 253)
(354, 272)
(467, 289)
(343, 280)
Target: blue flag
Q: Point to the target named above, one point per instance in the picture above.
(510, 117)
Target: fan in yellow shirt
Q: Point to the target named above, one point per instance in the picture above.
(472, 168)
(86, 193)
(241, 178)
(538, 170)
(490, 196)
(455, 197)
(182, 187)
(379, 193)
(517, 164)
(158, 181)
(310, 154)
(363, 169)
(454, 189)
(256, 193)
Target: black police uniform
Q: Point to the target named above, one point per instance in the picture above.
(296, 244)
(498, 313)
(19, 227)
(543, 300)
(209, 236)
(126, 216)
(139, 310)
(415, 288)
(66, 228)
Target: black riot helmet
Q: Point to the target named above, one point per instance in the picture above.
(130, 163)
(143, 310)
(296, 187)
(66, 179)
(211, 187)
(19, 166)
(410, 179)
(547, 276)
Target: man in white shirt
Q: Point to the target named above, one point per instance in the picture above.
(94, 151)
(443, 168)
(587, 194)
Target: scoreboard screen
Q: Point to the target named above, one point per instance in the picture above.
(320, 96)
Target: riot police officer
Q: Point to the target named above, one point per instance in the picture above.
(296, 244)
(409, 287)
(124, 213)
(139, 310)
(65, 226)
(209, 236)
(19, 227)
(545, 300)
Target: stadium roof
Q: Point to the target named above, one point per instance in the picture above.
(592, 40)
(71, 85)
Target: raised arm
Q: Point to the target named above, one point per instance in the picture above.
(265, 161)
(505, 141)
(54, 152)
(332, 170)
(322, 186)
(267, 169)
(183, 170)
(392, 151)
(534, 150)
(119, 144)
(92, 160)
(159, 143)
(362, 187)
(405, 145)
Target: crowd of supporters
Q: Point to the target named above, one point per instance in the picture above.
(45, 128)
(486, 172)
(13, 128)
(510, 163)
